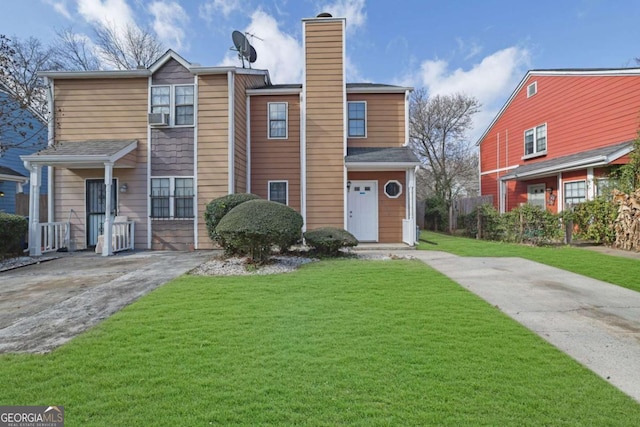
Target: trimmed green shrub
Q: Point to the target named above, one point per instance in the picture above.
(492, 225)
(253, 228)
(531, 224)
(13, 229)
(595, 219)
(218, 208)
(329, 240)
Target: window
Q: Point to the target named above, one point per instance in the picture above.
(160, 198)
(172, 197)
(184, 105)
(160, 99)
(603, 187)
(277, 120)
(179, 99)
(393, 189)
(574, 192)
(278, 192)
(357, 119)
(535, 141)
(532, 89)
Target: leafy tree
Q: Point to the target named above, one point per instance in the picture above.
(438, 129)
(627, 177)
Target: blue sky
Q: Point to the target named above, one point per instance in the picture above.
(482, 48)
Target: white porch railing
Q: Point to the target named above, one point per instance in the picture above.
(122, 235)
(51, 237)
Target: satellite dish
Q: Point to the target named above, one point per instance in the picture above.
(244, 48)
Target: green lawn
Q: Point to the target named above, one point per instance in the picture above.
(612, 269)
(343, 342)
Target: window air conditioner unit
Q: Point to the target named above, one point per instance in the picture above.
(158, 119)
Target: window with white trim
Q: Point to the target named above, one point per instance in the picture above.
(176, 100)
(532, 89)
(172, 197)
(357, 114)
(279, 192)
(278, 115)
(574, 192)
(603, 187)
(535, 140)
(393, 189)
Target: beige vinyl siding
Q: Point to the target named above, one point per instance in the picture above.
(242, 83)
(385, 120)
(174, 235)
(102, 109)
(324, 123)
(275, 159)
(213, 143)
(391, 212)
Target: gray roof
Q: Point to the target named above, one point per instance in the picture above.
(380, 155)
(596, 157)
(8, 171)
(102, 148)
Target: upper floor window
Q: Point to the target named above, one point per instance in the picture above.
(177, 101)
(278, 192)
(172, 198)
(535, 140)
(357, 119)
(277, 120)
(532, 89)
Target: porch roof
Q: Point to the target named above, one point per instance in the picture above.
(587, 159)
(85, 154)
(378, 158)
(8, 174)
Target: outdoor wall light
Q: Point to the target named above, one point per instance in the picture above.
(348, 185)
(124, 187)
(550, 190)
(1, 193)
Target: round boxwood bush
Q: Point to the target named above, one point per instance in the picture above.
(218, 208)
(13, 229)
(253, 228)
(329, 240)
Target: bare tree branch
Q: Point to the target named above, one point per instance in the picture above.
(74, 52)
(438, 133)
(133, 48)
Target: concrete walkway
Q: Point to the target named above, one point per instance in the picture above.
(596, 323)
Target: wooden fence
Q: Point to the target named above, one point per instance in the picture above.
(22, 206)
(465, 206)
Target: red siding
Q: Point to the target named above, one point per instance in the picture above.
(581, 112)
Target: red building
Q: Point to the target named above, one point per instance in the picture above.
(557, 137)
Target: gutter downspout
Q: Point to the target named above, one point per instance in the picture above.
(51, 129)
(231, 147)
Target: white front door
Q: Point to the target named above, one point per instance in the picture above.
(362, 208)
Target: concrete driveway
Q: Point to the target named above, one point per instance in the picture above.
(44, 305)
(596, 323)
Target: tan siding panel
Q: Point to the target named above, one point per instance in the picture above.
(385, 120)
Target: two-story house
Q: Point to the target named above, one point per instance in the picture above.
(557, 137)
(156, 145)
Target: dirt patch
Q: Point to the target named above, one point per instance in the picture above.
(44, 305)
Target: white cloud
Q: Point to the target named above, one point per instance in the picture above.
(213, 7)
(169, 22)
(278, 52)
(491, 80)
(108, 13)
(60, 7)
(353, 10)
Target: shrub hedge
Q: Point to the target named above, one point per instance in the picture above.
(218, 208)
(254, 227)
(329, 240)
(13, 229)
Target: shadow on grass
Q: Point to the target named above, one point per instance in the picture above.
(428, 241)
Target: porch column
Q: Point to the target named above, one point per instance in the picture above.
(107, 248)
(34, 210)
(412, 203)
